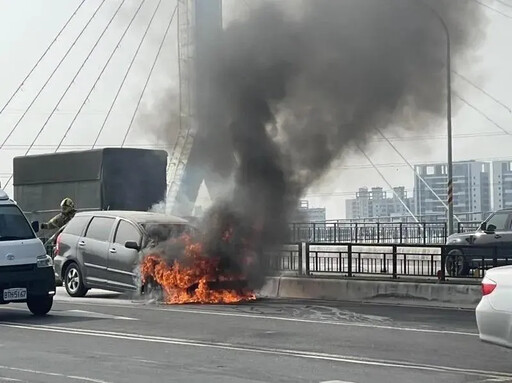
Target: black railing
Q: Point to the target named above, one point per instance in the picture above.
(465, 227)
(288, 259)
(391, 260)
(377, 232)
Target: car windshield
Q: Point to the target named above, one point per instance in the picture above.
(498, 222)
(159, 232)
(13, 224)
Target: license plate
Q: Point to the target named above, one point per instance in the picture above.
(16, 294)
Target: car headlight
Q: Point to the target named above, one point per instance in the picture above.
(44, 261)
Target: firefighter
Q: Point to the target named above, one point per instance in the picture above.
(67, 212)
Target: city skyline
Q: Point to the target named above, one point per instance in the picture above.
(479, 188)
(481, 97)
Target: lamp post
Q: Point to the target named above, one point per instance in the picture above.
(448, 116)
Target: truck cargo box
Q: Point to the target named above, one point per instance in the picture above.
(102, 179)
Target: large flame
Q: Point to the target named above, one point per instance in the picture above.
(194, 270)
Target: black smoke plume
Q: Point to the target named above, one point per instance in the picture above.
(293, 90)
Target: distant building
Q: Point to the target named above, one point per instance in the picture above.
(502, 184)
(305, 214)
(471, 190)
(376, 203)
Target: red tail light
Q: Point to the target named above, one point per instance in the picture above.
(56, 251)
(488, 286)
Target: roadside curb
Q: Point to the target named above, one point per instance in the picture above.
(392, 292)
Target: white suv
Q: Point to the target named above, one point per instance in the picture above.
(26, 271)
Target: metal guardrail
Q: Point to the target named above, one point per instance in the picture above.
(390, 260)
(403, 232)
(464, 227)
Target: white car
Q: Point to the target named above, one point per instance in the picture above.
(494, 312)
(26, 272)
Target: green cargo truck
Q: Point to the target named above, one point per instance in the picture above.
(102, 179)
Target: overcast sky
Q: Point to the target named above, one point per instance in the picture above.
(28, 27)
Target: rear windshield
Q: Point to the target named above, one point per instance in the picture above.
(158, 232)
(13, 224)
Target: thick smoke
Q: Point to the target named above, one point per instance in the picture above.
(293, 91)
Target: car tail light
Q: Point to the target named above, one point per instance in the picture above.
(488, 286)
(56, 251)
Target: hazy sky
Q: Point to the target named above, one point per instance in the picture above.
(28, 27)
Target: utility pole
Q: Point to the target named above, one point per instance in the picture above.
(448, 115)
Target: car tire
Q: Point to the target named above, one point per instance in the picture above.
(456, 264)
(73, 281)
(151, 290)
(40, 305)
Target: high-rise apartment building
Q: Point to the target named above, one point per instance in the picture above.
(376, 203)
(471, 190)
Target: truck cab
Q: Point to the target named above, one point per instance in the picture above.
(26, 271)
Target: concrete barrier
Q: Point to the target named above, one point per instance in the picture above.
(271, 288)
(378, 291)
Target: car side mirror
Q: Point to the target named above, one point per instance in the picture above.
(483, 226)
(35, 226)
(132, 245)
(491, 229)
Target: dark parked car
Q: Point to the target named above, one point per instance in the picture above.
(102, 249)
(489, 246)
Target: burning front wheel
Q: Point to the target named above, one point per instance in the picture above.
(151, 289)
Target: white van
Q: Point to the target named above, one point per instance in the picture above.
(26, 271)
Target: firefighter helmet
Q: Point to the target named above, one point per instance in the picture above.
(67, 205)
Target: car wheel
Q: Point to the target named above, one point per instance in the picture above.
(73, 281)
(40, 305)
(151, 290)
(456, 265)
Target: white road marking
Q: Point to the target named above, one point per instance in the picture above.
(87, 379)
(270, 317)
(78, 313)
(336, 323)
(54, 374)
(92, 314)
(336, 381)
(259, 350)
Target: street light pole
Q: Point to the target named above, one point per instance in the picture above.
(449, 128)
(448, 116)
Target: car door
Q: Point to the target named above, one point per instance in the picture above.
(504, 239)
(122, 261)
(93, 249)
(496, 234)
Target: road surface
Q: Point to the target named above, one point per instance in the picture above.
(103, 338)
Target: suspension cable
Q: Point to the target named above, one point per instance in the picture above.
(49, 78)
(99, 76)
(71, 83)
(41, 58)
(125, 76)
(149, 76)
(414, 170)
(389, 185)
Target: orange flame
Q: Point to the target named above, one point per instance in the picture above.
(194, 269)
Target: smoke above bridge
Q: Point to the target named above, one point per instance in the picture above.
(293, 90)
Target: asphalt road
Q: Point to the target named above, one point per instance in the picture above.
(102, 338)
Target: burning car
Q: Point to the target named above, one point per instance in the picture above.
(189, 269)
(134, 251)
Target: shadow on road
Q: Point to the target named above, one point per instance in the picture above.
(56, 317)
